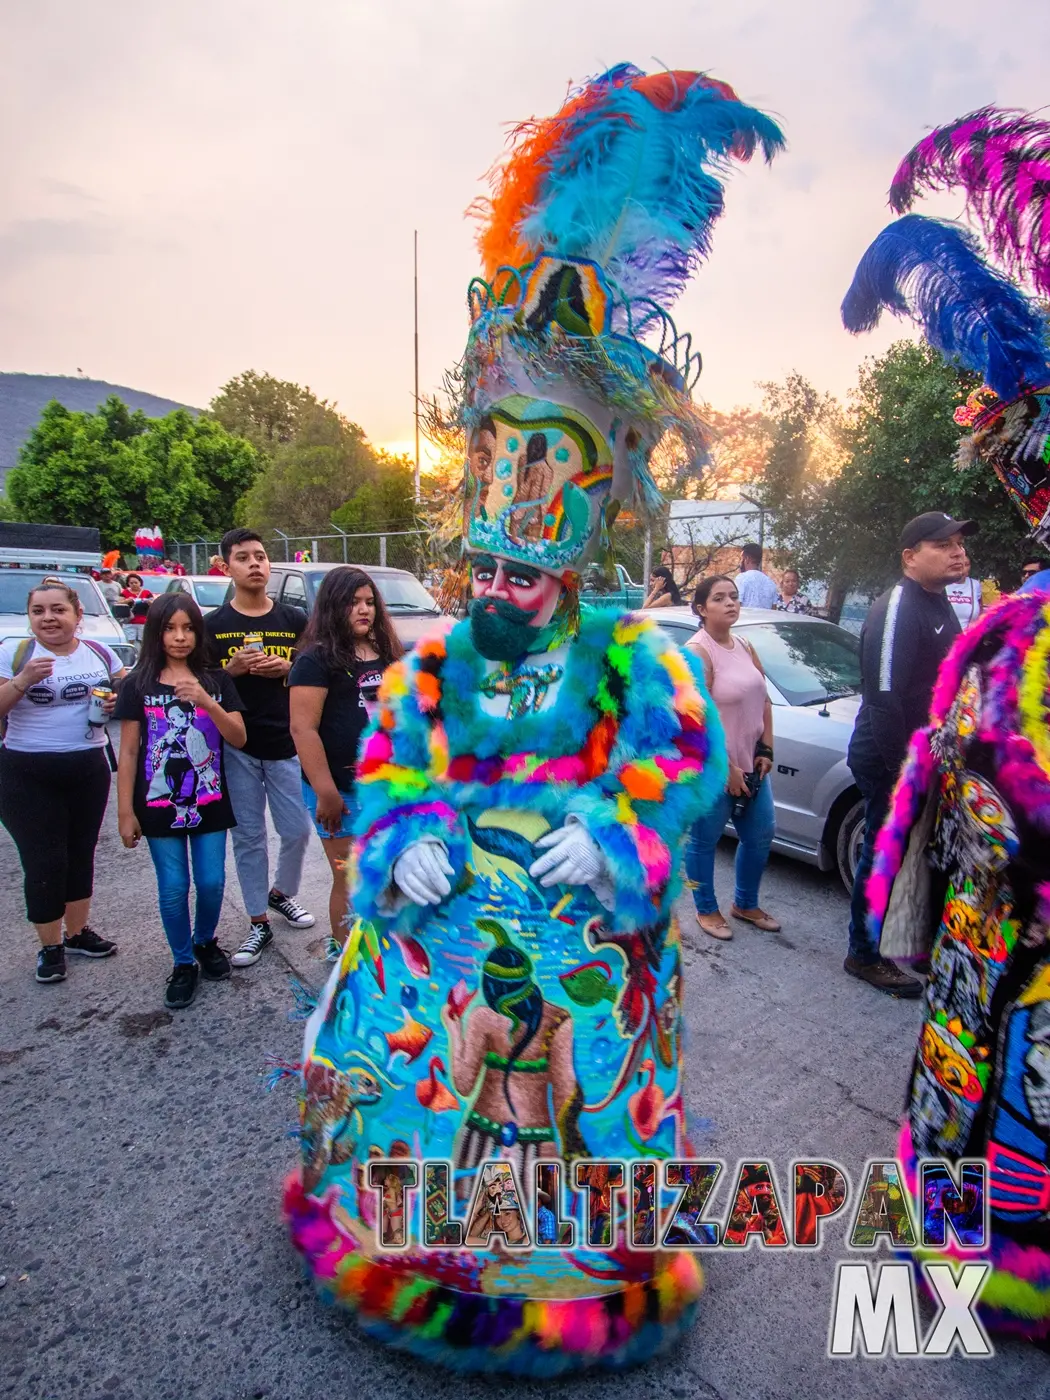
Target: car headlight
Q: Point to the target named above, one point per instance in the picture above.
(127, 653)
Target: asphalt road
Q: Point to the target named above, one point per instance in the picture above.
(141, 1163)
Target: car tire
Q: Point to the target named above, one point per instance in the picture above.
(848, 842)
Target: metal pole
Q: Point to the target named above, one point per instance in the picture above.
(284, 537)
(193, 557)
(382, 551)
(647, 559)
(415, 308)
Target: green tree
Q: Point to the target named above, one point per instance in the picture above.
(310, 477)
(267, 411)
(383, 503)
(898, 447)
(118, 470)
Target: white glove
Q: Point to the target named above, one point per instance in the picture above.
(421, 872)
(573, 858)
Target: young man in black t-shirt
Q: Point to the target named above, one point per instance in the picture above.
(266, 770)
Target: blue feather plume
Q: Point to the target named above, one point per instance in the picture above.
(627, 175)
(933, 273)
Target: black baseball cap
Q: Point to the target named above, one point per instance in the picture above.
(934, 525)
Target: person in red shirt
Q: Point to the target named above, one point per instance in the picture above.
(138, 596)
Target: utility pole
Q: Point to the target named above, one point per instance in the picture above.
(415, 306)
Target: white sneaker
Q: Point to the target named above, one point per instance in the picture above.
(251, 949)
(294, 913)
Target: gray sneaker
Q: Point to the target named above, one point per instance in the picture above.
(251, 949)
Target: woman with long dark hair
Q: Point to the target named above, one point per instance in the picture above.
(737, 684)
(177, 715)
(333, 690)
(663, 591)
(54, 778)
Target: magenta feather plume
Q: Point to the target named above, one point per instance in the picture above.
(1000, 159)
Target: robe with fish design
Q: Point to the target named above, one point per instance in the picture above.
(510, 1028)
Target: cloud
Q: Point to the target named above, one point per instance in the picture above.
(27, 240)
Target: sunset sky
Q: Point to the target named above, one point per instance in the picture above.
(197, 188)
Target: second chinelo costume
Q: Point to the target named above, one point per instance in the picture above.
(962, 866)
(509, 1000)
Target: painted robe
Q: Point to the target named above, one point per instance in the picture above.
(962, 870)
(511, 1024)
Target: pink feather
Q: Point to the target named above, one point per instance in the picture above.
(1000, 159)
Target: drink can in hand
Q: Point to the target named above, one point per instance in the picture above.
(253, 641)
(96, 704)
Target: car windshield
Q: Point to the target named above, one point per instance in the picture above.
(211, 592)
(807, 661)
(15, 585)
(400, 592)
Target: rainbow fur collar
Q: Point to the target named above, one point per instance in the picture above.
(631, 745)
(1011, 642)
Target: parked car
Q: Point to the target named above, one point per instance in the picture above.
(412, 609)
(209, 591)
(813, 678)
(626, 596)
(31, 553)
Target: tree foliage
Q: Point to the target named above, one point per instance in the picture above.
(267, 411)
(896, 449)
(386, 502)
(118, 470)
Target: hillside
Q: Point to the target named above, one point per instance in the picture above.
(23, 397)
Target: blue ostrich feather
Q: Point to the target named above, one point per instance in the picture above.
(636, 186)
(933, 273)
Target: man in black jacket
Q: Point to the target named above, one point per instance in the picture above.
(905, 637)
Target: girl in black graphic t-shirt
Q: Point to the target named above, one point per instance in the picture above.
(171, 782)
(333, 687)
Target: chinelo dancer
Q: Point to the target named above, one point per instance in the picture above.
(514, 972)
(961, 873)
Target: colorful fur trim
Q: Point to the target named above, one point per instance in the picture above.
(1016, 1297)
(631, 746)
(413, 1303)
(1012, 638)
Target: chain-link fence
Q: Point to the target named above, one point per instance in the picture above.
(403, 549)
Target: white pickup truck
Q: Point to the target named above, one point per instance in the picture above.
(29, 553)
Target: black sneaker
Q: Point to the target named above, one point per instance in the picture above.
(294, 913)
(885, 975)
(215, 965)
(51, 963)
(251, 949)
(89, 945)
(182, 986)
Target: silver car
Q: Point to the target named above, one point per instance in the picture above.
(813, 677)
(207, 590)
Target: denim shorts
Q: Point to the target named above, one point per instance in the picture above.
(346, 826)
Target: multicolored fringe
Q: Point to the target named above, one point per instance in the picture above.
(1016, 1296)
(1011, 639)
(632, 747)
(436, 1317)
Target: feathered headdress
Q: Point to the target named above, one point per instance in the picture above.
(626, 175)
(1001, 161)
(935, 273)
(596, 219)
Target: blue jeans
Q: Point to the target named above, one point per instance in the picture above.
(171, 860)
(755, 830)
(876, 794)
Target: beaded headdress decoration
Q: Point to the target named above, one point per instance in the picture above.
(574, 369)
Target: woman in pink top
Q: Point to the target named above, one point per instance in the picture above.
(738, 688)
